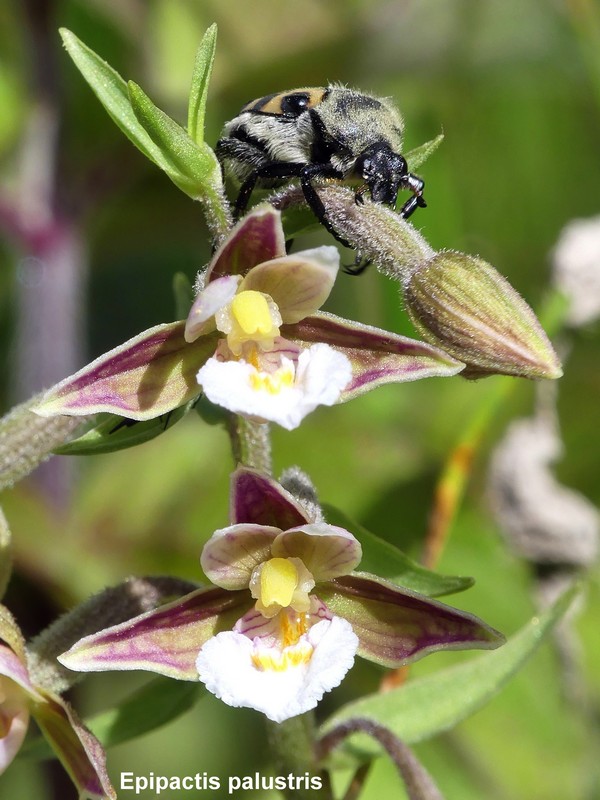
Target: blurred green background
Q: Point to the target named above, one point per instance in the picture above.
(515, 88)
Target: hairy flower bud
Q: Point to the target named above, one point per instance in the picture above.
(462, 304)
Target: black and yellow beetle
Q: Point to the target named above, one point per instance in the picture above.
(319, 132)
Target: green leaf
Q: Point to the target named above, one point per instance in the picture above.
(386, 561)
(110, 88)
(118, 433)
(418, 155)
(428, 706)
(205, 56)
(190, 166)
(158, 702)
(193, 169)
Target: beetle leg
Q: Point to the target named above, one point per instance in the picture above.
(274, 170)
(315, 203)
(416, 186)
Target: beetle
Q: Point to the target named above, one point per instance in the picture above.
(317, 133)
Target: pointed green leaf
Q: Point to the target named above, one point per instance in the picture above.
(418, 155)
(383, 559)
(118, 433)
(427, 706)
(205, 56)
(189, 166)
(110, 88)
(192, 169)
(158, 702)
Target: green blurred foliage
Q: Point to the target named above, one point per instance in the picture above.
(515, 87)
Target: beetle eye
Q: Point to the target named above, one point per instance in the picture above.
(292, 105)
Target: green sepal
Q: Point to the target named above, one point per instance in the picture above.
(193, 168)
(427, 706)
(418, 155)
(383, 559)
(118, 433)
(205, 56)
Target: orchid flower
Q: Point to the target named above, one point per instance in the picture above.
(21, 697)
(254, 342)
(286, 614)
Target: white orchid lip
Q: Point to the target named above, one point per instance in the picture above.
(276, 387)
(280, 680)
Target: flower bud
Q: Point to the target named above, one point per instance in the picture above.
(462, 304)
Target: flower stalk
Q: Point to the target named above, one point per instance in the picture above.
(292, 744)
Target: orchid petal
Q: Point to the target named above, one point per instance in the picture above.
(299, 283)
(78, 750)
(231, 554)
(256, 238)
(376, 356)
(326, 550)
(149, 375)
(216, 295)
(263, 501)
(226, 666)
(165, 640)
(396, 626)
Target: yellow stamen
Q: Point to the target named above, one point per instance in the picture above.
(278, 581)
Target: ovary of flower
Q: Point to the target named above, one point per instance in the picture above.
(281, 583)
(251, 316)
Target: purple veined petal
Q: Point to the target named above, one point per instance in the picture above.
(376, 356)
(325, 550)
(78, 750)
(298, 283)
(165, 640)
(217, 294)
(257, 499)
(147, 376)
(231, 554)
(257, 237)
(396, 626)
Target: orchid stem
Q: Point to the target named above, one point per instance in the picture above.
(292, 746)
(251, 444)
